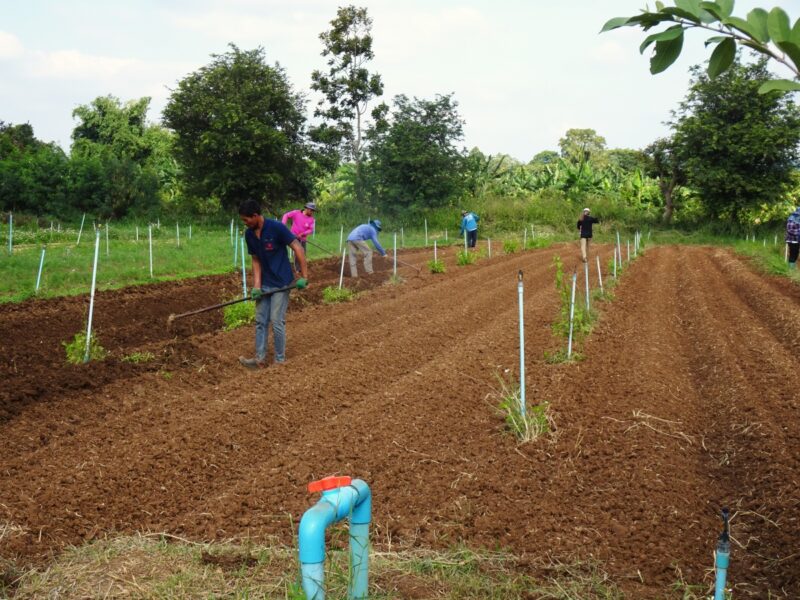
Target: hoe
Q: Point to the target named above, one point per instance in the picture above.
(172, 318)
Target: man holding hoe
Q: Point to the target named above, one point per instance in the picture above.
(267, 241)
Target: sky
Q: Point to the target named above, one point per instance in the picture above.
(522, 71)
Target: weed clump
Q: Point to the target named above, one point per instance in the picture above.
(510, 246)
(332, 295)
(530, 426)
(139, 357)
(464, 258)
(76, 349)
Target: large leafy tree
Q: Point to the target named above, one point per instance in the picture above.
(581, 145)
(664, 163)
(415, 161)
(347, 86)
(769, 33)
(738, 148)
(240, 131)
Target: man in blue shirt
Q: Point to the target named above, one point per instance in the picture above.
(469, 223)
(267, 241)
(357, 242)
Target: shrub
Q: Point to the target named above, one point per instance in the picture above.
(465, 257)
(436, 266)
(76, 349)
(331, 295)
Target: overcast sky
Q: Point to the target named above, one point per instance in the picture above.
(522, 71)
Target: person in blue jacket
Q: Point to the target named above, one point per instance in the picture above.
(357, 242)
(469, 223)
(793, 237)
(267, 241)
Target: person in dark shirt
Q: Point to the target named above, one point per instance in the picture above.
(585, 223)
(267, 241)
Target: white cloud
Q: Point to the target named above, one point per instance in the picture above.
(72, 64)
(10, 46)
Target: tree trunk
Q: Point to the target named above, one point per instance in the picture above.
(667, 187)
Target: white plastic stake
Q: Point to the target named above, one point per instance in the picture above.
(586, 279)
(524, 238)
(619, 250)
(39, 276)
(236, 250)
(521, 347)
(533, 232)
(395, 254)
(341, 237)
(615, 262)
(91, 297)
(465, 240)
(244, 272)
(445, 235)
(341, 271)
(150, 243)
(10, 233)
(190, 231)
(629, 250)
(232, 244)
(571, 313)
(435, 258)
(177, 235)
(599, 273)
(490, 247)
(426, 233)
(80, 231)
(137, 233)
(108, 250)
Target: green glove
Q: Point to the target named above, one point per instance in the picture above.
(255, 294)
(301, 283)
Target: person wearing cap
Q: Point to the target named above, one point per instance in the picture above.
(357, 242)
(302, 225)
(267, 241)
(469, 223)
(585, 223)
(793, 237)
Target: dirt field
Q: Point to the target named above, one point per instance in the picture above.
(687, 401)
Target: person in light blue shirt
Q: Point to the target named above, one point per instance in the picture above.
(469, 223)
(357, 242)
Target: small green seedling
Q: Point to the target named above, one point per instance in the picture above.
(76, 349)
(139, 357)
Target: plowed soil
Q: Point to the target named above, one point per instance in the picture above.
(686, 401)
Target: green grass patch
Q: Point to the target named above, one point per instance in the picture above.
(332, 295)
(239, 315)
(139, 357)
(510, 246)
(76, 349)
(156, 566)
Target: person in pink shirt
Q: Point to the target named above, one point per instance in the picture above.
(302, 225)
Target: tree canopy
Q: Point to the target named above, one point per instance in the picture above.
(239, 129)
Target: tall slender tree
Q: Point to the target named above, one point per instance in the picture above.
(347, 86)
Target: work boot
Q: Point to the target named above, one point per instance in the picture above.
(251, 363)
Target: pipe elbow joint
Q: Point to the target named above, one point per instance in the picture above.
(311, 533)
(362, 511)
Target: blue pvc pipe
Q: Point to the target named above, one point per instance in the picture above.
(721, 563)
(353, 501)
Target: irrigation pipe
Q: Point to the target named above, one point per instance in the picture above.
(39, 276)
(341, 237)
(619, 249)
(91, 298)
(521, 347)
(341, 271)
(571, 313)
(435, 258)
(236, 249)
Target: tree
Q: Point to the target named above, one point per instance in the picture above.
(738, 148)
(581, 145)
(665, 165)
(240, 131)
(544, 158)
(769, 33)
(348, 86)
(414, 159)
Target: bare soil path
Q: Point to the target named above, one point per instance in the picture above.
(687, 401)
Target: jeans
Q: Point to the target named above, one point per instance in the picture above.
(472, 238)
(271, 310)
(353, 248)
